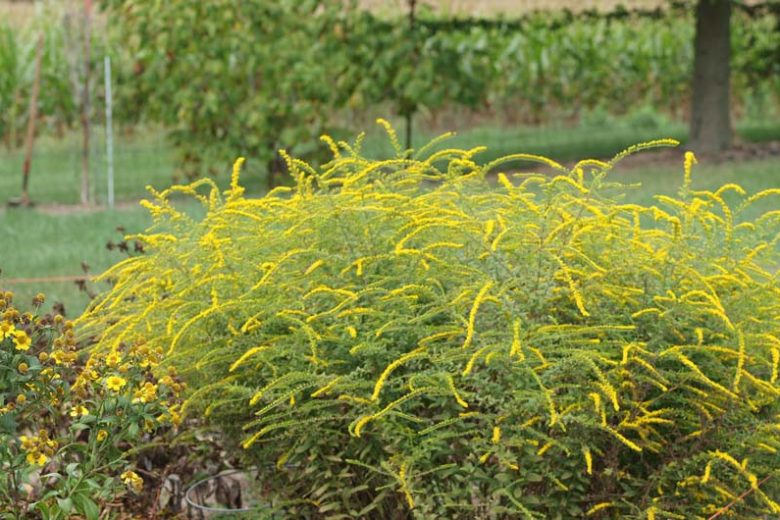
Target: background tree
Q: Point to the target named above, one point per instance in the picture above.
(710, 124)
(233, 78)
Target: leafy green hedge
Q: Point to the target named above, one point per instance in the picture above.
(420, 336)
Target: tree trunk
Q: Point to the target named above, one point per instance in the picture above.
(710, 114)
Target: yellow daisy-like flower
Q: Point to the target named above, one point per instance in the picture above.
(101, 435)
(131, 478)
(21, 399)
(22, 340)
(146, 393)
(28, 443)
(7, 329)
(23, 367)
(79, 411)
(113, 359)
(115, 383)
(36, 458)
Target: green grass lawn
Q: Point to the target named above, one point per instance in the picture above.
(145, 158)
(55, 178)
(36, 244)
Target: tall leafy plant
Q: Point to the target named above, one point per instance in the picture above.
(435, 337)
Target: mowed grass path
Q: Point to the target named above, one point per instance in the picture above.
(34, 243)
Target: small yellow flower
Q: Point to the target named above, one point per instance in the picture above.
(43, 357)
(131, 479)
(147, 393)
(7, 329)
(22, 340)
(79, 411)
(23, 368)
(28, 443)
(115, 383)
(36, 458)
(21, 399)
(101, 435)
(113, 359)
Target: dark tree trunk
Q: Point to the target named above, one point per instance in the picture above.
(710, 114)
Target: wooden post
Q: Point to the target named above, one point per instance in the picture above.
(85, 104)
(33, 115)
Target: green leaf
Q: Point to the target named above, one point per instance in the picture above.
(87, 507)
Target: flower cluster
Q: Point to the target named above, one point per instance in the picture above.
(38, 448)
(85, 410)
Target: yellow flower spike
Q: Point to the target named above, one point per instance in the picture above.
(391, 134)
(690, 160)
(576, 295)
(516, 349)
(473, 313)
(458, 398)
(246, 355)
(313, 267)
(334, 149)
(545, 448)
(588, 460)
(740, 361)
(402, 477)
(361, 424)
(598, 507)
(707, 472)
(327, 388)
(419, 352)
(236, 191)
(496, 437)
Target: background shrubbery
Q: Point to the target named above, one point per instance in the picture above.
(428, 334)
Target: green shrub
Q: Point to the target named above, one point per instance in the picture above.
(419, 337)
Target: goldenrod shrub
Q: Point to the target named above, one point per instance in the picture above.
(419, 337)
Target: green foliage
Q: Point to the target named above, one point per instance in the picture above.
(256, 76)
(68, 425)
(229, 76)
(418, 336)
(62, 71)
